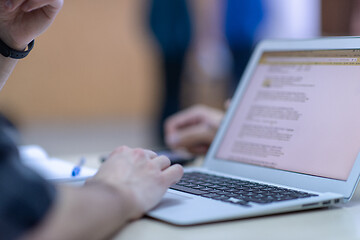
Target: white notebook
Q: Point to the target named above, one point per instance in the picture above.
(53, 169)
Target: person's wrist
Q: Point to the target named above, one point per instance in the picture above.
(12, 43)
(17, 46)
(123, 197)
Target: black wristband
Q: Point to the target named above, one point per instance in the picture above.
(7, 51)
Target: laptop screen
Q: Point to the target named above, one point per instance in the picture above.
(300, 112)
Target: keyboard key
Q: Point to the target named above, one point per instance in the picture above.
(187, 190)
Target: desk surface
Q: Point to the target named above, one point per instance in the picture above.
(329, 223)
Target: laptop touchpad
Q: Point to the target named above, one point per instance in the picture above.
(171, 199)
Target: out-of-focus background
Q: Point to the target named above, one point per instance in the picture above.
(109, 72)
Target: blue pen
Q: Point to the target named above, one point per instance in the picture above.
(77, 168)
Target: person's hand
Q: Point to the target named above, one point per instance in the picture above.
(23, 20)
(193, 128)
(139, 175)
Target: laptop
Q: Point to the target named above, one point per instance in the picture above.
(289, 141)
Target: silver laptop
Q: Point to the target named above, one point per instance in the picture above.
(290, 140)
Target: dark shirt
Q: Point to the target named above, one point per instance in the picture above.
(24, 196)
(171, 24)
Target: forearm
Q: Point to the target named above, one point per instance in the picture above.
(94, 211)
(7, 65)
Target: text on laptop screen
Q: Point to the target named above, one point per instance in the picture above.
(300, 113)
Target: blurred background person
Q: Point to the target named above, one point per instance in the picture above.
(170, 24)
(220, 34)
(193, 129)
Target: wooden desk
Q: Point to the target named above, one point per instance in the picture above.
(330, 223)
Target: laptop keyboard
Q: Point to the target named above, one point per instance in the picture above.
(234, 191)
